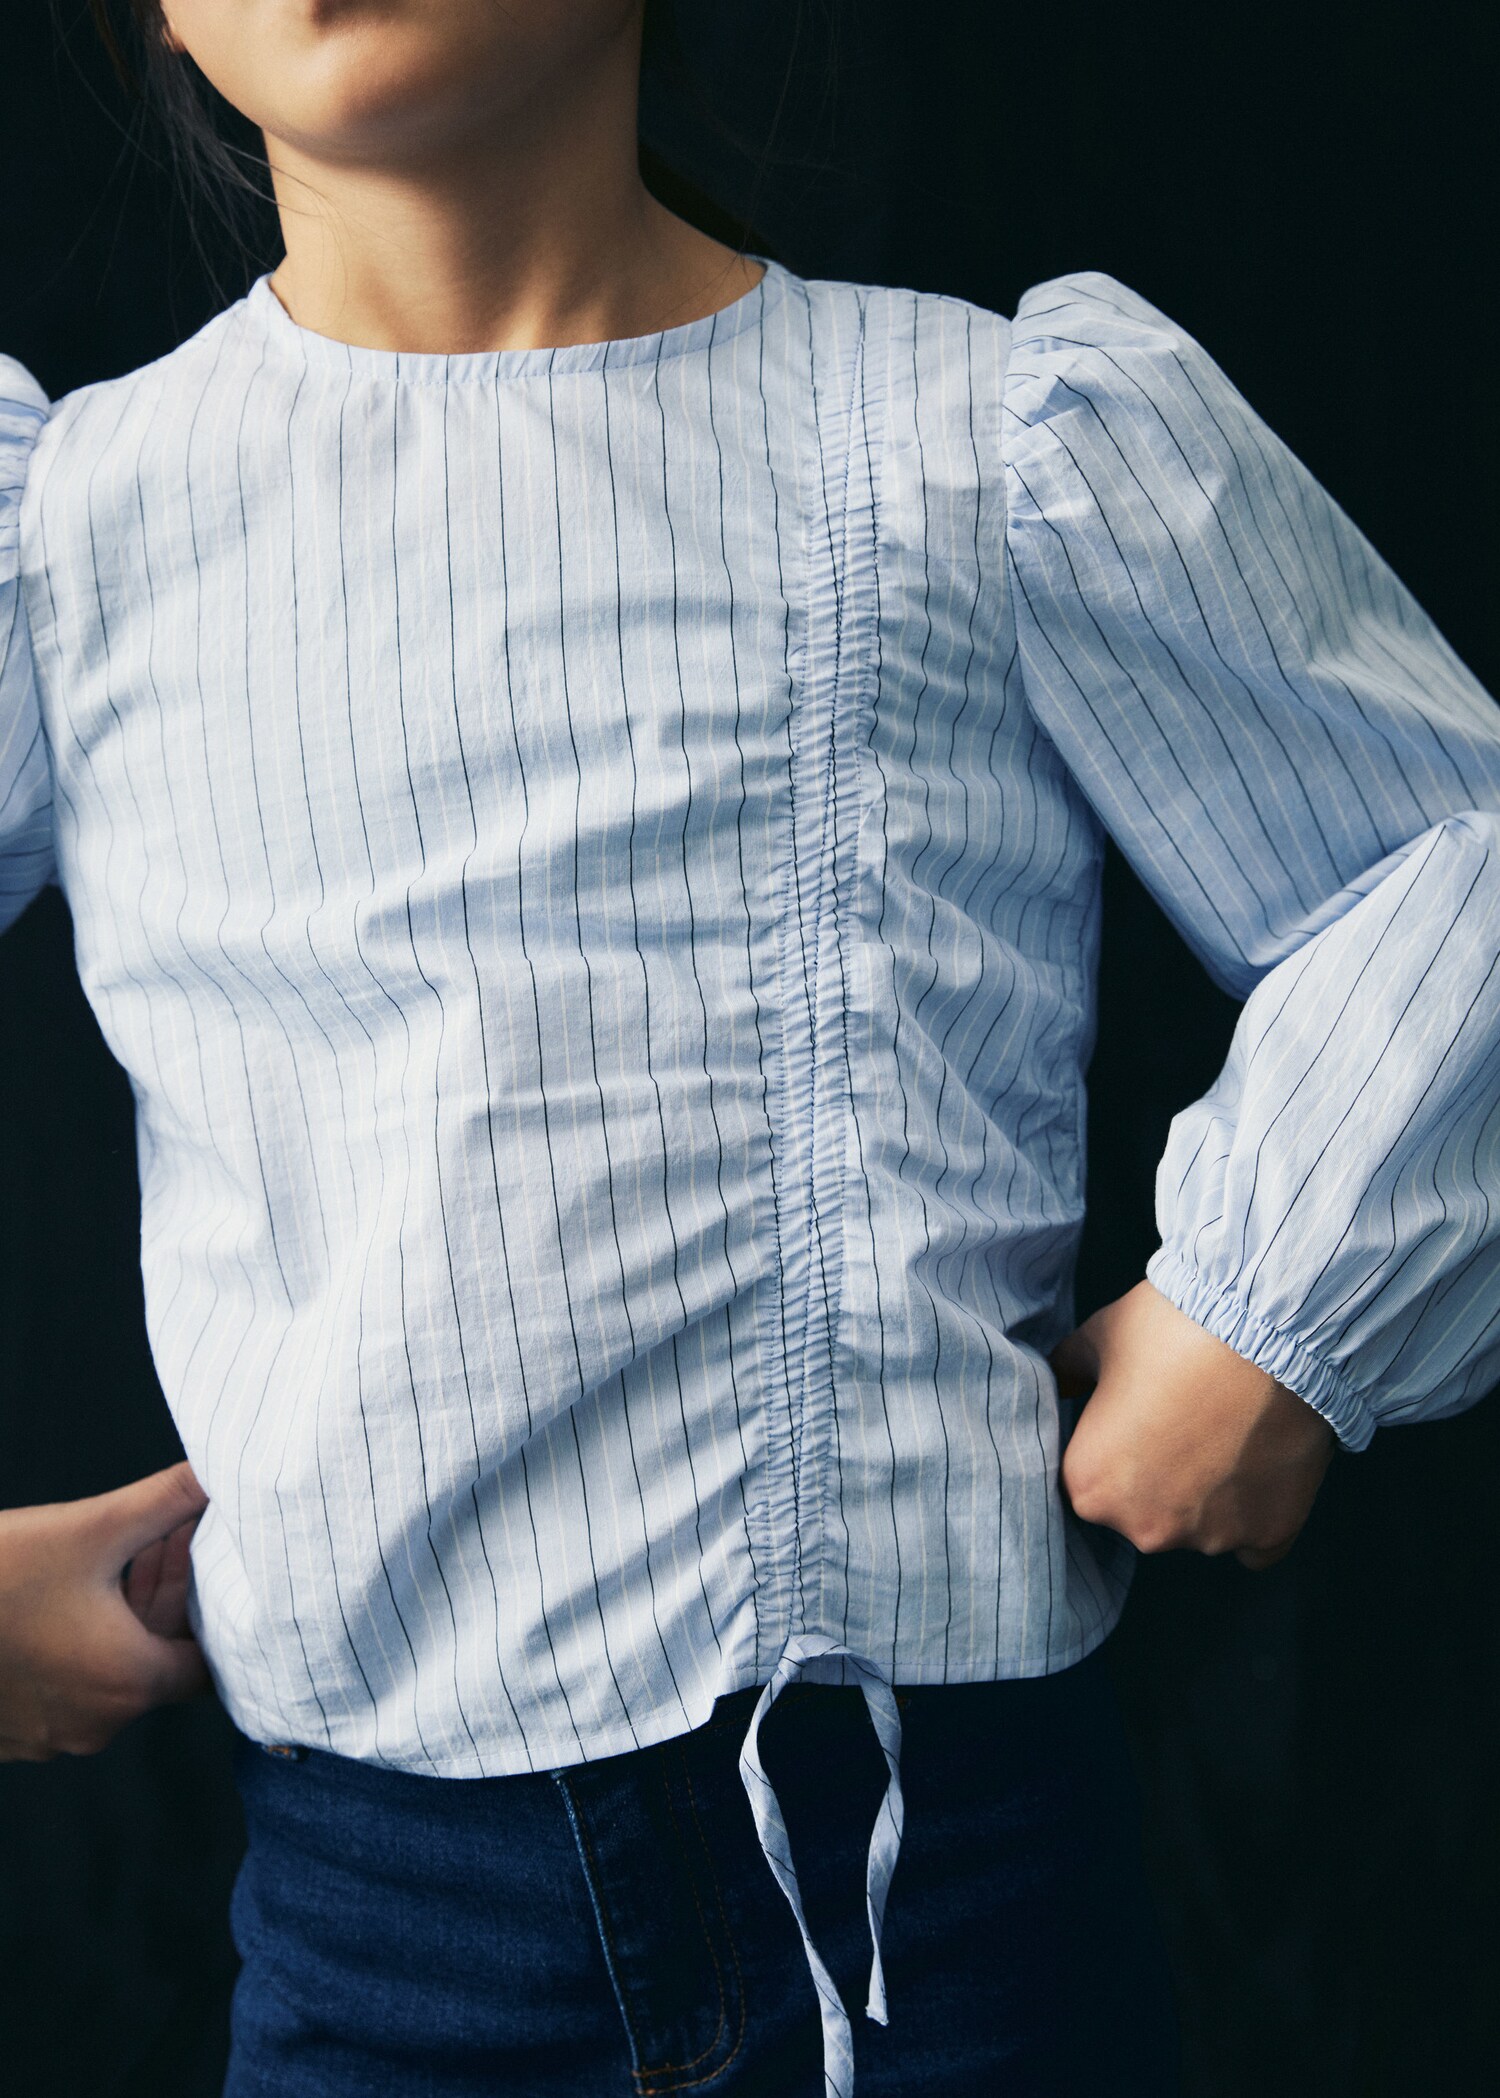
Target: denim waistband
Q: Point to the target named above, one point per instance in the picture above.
(811, 1672)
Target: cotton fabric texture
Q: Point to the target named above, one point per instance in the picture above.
(589, 859)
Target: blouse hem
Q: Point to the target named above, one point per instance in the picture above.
(666, 1725)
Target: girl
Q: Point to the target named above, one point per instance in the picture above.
(578, 760)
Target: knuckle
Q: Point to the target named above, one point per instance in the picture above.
(1156, 1533)
(37, 1738)
(1272, 1548)
(120, 1693)
(122, 1708)
(28, 1748)
(85, 1733)
(1088, 1503)
(87, 1741)
(50, 1737)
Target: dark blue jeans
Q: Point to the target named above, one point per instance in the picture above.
(614, 1927)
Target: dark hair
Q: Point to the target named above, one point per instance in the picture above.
(219, 157)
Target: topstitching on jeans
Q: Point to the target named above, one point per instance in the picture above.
(643, 2076)
(594, 1879)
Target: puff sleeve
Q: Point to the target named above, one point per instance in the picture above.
(26, 858)
(1307, 778)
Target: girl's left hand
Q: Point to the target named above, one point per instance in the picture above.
(1182, 1442)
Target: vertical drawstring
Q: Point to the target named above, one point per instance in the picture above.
(801, 1655)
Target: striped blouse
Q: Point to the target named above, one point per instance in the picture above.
(589, 859)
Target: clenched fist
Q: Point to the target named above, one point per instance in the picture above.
(1182, 1442)
(93, 1625)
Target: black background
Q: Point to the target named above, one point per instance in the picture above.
(1304, 188)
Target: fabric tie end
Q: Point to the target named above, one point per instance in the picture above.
(802, 1654)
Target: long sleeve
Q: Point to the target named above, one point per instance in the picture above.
(1308, 779)
(26, 858)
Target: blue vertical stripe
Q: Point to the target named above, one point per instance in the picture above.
(590, 861)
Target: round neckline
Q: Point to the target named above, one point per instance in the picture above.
(419, 367)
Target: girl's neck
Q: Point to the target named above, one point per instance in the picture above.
(534, 233)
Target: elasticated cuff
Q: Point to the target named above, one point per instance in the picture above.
(1325, 1387)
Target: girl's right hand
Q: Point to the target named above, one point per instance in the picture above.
(93, 1621)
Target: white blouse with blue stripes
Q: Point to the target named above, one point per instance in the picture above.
(589, 859)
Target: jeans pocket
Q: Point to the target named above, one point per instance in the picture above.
(655, 1886)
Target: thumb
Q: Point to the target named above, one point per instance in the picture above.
(1075, 1363)
(178, 1671)
(133, 1516)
